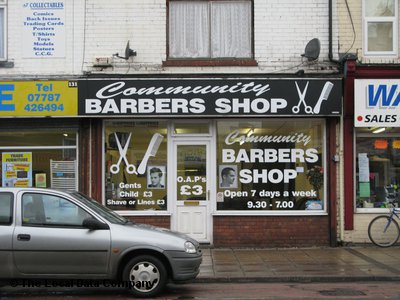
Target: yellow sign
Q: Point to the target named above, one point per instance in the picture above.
(38, 98)
(17, 169)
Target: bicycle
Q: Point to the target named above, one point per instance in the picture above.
(384, 231)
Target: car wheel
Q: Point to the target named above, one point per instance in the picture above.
(146, 276)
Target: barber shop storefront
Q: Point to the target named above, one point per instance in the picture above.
(231, 162)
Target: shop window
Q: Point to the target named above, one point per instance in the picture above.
(26, 157)
(3, 31)
(380, 27)
(210, 29)
(190, 128)
(136, 165)
(271, 166)
(377, 169)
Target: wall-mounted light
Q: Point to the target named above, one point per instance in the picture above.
(378, 129)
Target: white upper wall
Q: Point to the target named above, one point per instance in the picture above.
(101, 28)
(20, 49)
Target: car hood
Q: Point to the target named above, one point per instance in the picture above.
(167, 231)
(143, 234)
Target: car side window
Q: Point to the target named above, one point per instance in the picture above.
(50, 210)
(6, 208)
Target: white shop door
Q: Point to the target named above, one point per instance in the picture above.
(191, 186)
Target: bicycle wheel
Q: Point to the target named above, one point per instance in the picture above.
(378, 235)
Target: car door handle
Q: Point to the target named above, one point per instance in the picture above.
(23, 237)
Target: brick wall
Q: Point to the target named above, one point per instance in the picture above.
(260, 231)
(360, 232)
(20, 51)
(283, 28)
(101, 28)
(353, 42)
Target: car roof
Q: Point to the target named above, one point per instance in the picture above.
(34, 189)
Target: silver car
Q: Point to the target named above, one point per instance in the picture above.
(48, 234)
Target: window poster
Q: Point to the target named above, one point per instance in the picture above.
(17, 169)
(363, 167)
(43, 24)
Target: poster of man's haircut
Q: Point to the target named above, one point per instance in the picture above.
(156, 177)
(227, 176)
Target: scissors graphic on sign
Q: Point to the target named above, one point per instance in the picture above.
(130, 168)
(302, 95)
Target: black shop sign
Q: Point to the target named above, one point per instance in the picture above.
(210, 97)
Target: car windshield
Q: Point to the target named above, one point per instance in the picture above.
(103, 211)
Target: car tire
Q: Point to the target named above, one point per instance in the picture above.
(146, 276)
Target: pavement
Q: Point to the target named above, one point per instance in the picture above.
(322, 264)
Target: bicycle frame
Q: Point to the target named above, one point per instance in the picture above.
(393, 213)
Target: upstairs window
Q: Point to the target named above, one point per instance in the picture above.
(380, 27)
(3, 23)
(210, 29)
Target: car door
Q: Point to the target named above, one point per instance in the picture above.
(6, 229)
(49, 237)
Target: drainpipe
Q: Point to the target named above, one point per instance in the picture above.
(330, 33)
(341, 133)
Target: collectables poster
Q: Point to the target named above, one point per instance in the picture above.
(17, 169)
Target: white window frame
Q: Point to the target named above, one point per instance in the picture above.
(392, 19)
(3, 5)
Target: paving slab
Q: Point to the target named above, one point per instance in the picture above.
(319, 264)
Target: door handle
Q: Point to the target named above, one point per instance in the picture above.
(23, 237)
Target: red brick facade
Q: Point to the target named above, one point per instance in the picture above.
(269, 231)
(159, 221)
(260, 231)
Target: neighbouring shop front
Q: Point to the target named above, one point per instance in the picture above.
(36, 150)
(231, 162)
(372, 146)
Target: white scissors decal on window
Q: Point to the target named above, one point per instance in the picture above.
(130, 168)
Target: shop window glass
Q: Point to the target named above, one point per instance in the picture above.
(377, 169)
(182, 128)
(271, 165)
(136, 165)
(37, 138)
(26, 158)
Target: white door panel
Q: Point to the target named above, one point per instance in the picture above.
(191, 220)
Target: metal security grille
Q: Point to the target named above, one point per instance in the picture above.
(64, 175)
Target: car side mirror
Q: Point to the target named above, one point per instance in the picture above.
(94, 224)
